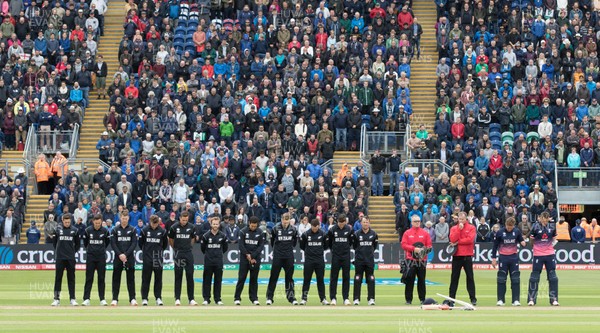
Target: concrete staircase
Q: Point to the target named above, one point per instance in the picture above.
(423, 78)
(36, 205)
(108, 47)
(383, 218)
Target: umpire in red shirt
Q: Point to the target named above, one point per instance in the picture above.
(462, 236)
(416, 243)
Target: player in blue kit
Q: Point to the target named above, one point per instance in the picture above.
(506, 242)
(544, 238)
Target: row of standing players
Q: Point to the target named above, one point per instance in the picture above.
(504, 256)
(153, 241)
(340, 238)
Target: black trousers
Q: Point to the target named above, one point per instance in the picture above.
(338, 263)
(118, 267)
(61, 266)
(246, 268)
(91, 267)
(366, 271)
(288, 266)
(318, 268)
(184, 261)
(210, 272)
(459, 263)
(152, 266)
(416, 269)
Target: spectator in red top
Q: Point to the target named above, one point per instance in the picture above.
(132, 89)
(414, 241)
(77, 33)
(52, 107)
(586, 139)
(458, 132)
(404, 17)
(495, 162)
(462, 236)
(377, 11)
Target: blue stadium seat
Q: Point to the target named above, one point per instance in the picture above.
(518, 134)
(495, 136)
(496, 144)
(495, 127)
(180, 31)
(179, 39)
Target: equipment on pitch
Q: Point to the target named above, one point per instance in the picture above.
(432, 304)
(419, 255)
(450, 249)
(465, 306)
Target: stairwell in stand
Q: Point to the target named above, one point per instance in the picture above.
(423, 78)
(94, 114)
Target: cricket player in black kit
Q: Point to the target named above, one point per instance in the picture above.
(312, 242)
(213, 244)
(283, 240)
(153, 242)
(182, 236)
(366, 242)
(340, 239)
(251, 243)
(96, 240)
(66, 244)
(123, 242)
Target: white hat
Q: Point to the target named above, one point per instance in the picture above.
(104, 133)
(21, 170)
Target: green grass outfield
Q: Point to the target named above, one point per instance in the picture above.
(25, 298)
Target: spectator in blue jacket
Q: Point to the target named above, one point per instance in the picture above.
(578, 233)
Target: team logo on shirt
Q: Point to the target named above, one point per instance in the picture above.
(92, 236)
(148, 235)
(370, 236)
(118, 233)
(210, 240)
(360, 238)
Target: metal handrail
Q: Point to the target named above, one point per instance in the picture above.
(406, 137)
(27, 151)
(444, 167)
(74, 142)
(363, 139)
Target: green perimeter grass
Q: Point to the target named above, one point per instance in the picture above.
(25, 297)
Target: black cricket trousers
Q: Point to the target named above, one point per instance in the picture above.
(61, 266)
(318, 268)
(152, 266)
(184, 261)
(210, 272)
(246, 268)
(91, 267)
(368, 272)
(338, 263)
(288, 266)
(118, 267)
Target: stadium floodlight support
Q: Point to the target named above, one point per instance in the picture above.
(556, 187)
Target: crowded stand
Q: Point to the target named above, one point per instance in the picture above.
(229, 108)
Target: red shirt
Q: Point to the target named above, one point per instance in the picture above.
(465, 239)
(412, 236)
